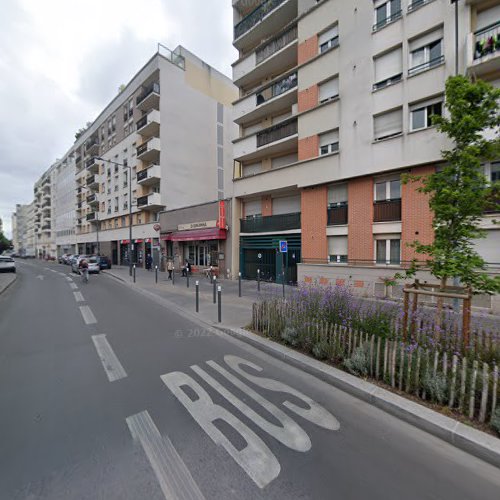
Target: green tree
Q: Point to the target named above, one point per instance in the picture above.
(459, 192)
(5, 244)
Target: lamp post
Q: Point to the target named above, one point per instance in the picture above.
(130, 247)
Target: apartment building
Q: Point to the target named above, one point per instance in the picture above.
(45, 242)
(163, 143)
(335, 104)
(23, 238)
(64, 209)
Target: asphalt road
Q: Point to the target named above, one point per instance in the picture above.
(106, 395)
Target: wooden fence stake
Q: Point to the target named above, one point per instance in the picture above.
(386, 342)
(372, 342)
(402, 367)
(377, 362)
(494, 395)
(484, 393)
(417, 373)
(453, 380)
(408, 373)
(461, 404)
(472, 394)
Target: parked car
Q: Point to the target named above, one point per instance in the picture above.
(104, 262)
(72, 259)
(94, 265)
(62, 258)
(76, 262)
(7, 264)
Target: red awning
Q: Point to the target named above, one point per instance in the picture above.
(138, 241)
(125, 242)
(213, 233)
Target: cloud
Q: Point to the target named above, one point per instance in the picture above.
(63, 61)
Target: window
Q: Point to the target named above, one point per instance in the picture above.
(426, 52)
(386, 12)
(337, 249)
(116, 204)
(328, 39)
(388, 68)
(420, 114)
(252, 208)
(388, 190)
(492, 171)
(109, 126)
(329, 90)
(113, 123)
(329, 142)
(388, 251)
(337, 195)
(125, 113)
(130, 108)
(388, 124)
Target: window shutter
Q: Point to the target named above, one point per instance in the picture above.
(328, 35)
(389, 65)
(329, 89)
(487, 17)
(388, 124)
(337, 245)
(337, 193)
(286, 205)
(423, 104)
(329, 138)
(433, 36)
(252, 208)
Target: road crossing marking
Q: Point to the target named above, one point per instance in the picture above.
(174, 477)
(73, 286)
(88, 315)
(255, 458)
(78, 296)
(112, 366)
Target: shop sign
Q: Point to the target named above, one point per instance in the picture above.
(197, 225)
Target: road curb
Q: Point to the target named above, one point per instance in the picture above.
(8, 285)
(468, 439)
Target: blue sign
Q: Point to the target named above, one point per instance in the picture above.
(283, 246)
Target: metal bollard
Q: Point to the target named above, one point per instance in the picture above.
(133, 271)
(156, 274)
(187, 280)
(197, 296)
(258, 280)
(283, 281)
(219, 306)
(239, 284)
(215, 289)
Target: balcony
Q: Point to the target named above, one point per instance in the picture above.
(149, 98)
(149, 151)
(92, 147)
(337, 215)
(387, 211)
(91, 217)
(483, 50)
(280, 95)
(259, 224)
(92, 182)
(151, 201)
(78, 159)
(92, 199)
(278, 139)
(46, 227)
(149, 125)
(262, 22)
(275, 57)
(46, 203)
(150, 175)
(92, 165)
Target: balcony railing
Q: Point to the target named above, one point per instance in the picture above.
(91, 216)
(143, 174)
(248, 22)
(426, 65)
(276, 44)
(154, 87)
(276, 89)
(416, 4)
(387, 20)
(142, 149)
(91, 144)
(90, 162)
(282, 222)
(487, 40)
(337, 215)
(388, 81)
(387, 211)
(140, 123)
(142, 201)
(91, 180)
(91, 198)
(78, 159)
(277, 132)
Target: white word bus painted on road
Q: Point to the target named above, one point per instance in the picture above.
(255, 458)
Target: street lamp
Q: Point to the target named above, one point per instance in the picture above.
(130, 248)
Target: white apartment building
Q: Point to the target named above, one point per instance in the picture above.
(335, 104)
(64, 206)
(23, 238)
(163, 143)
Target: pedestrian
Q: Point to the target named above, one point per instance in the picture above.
(170, 268)
(149, 262)
(186, 268)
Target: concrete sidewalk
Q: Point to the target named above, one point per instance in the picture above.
(236, 311)
(6, 279)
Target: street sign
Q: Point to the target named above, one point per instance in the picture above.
(157, 227)
(283, 246)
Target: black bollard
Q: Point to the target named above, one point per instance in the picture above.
(134, 272)
(156, 274)
(283, 280)
(258, 280)
(239, 284)
(173, 277)
(197, 296)
(187, 279)
(215, 289)
(219, 312)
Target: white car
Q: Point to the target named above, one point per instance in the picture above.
(93, 265)
(7, 264)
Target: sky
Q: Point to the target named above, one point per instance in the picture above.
(62, 61)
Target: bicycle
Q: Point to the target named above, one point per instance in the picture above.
(84, 273)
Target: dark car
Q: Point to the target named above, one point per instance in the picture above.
(104, 262)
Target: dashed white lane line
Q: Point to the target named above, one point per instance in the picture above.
(73, 286)
(174, 477)
(68, 278)
(88, 315)
(78, 296)
(112, 366)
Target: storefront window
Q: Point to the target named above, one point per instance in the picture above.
(202, 253)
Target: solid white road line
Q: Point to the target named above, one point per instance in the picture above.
(88, 315)
(112, 366)
(69, 279)
(78, 296)
(174, 477)
(73, 286)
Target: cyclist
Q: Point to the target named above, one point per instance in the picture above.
(83, 266)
